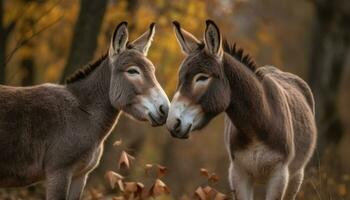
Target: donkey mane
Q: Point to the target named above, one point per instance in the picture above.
(239, 55)
(86, 70)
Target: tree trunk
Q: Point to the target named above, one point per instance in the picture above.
(331, 40)
(2, 45)
(85, 36)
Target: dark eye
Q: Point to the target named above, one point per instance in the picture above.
(133, 71)
(202, 78)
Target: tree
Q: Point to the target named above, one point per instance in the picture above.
(4, 33)
(330, 47)
(85, 35)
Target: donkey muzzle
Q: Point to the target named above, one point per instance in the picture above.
(157, 104)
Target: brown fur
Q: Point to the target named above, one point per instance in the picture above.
(270, 129)
(55, 133)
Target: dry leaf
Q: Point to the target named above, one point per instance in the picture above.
(207, 189)
(130, 187)
(113, 178)
(200, 194)
(213, 178)
(125, 160)
(117, 143)
(220, 196)
(210, 192)
(161, 170)
(95, 194)
(204, 172)
(158, 188)
(148, 168)
(121, 185)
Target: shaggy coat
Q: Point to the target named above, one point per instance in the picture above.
(270, 130)
(55, 133)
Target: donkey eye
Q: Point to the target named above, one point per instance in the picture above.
(202, 78)
(132, 71)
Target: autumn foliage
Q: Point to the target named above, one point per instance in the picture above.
(134, 190)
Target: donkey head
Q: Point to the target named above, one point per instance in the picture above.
(134, 88)
(203, 90)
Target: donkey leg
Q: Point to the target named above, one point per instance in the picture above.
(57, 184)
(77, 187)
(278, 182)
(294, 185)
(241, 183)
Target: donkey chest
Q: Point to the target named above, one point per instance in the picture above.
(257, 159)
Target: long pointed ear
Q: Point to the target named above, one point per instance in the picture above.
(143, 43)
(213, 40)
(119, 39)
(187, 41)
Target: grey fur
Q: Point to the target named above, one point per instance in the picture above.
(55, 133)
(270, 130)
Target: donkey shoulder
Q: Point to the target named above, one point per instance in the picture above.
(289, 81)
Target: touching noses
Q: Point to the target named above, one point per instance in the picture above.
(163, 110)
(177, 125)
(158, 106)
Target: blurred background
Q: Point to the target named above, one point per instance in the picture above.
(46, 40)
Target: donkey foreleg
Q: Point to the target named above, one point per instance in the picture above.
(77, 187)
(57, 184)
(241, 183)
(277, 183)
(294, 185)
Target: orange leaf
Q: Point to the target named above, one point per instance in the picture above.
(200, 194)
(113, 178)
(210, 192)
(148, 167)
(158, 188)
(161, 170)
(117, 143)
(125, 160)
(204, 172)
(220, 196)
(213, 178)
(121, 185)
(207, 189)
(95, 195)
(130, 187)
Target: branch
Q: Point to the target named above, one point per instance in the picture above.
(11, 26)
(24, 41)
(47, 12)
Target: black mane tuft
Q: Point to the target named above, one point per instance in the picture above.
(239, 55)
(85, 71)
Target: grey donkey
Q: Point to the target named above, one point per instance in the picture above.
(55, 133)
(270, 129)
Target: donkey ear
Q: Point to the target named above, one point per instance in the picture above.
(213, 41)
(143, 43)
(187, 41)
(119, 39)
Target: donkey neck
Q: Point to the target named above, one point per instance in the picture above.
(92, 93)
(248, 109)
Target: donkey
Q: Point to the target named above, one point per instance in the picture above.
(56, 132)
(270, 129)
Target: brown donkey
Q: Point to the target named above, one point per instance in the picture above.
(270, 128)
(56, 132)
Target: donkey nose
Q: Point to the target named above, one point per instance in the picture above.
(177, 125)
(163, 110)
